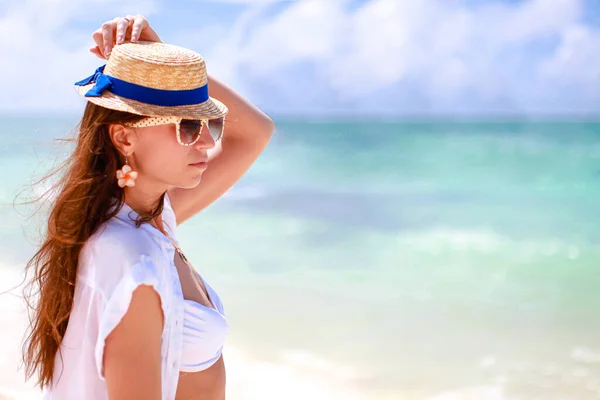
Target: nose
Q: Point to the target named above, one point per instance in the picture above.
(206, 141)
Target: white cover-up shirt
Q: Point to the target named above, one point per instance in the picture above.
(113, 263)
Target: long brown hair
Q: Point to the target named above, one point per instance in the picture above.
(84, 190)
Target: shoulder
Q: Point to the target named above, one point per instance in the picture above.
(117, 250)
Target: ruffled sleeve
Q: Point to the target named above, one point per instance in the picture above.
(144, 272)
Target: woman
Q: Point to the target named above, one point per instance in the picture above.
(121, 313)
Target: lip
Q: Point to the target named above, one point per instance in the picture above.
(201, 164)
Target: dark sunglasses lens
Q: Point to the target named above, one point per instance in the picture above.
(215, 126)
(189, 130)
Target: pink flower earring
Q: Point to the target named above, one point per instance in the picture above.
(126, 176)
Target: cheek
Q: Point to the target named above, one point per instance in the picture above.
(160, 155)
(163, 159)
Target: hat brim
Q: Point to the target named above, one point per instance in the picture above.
(212, 108)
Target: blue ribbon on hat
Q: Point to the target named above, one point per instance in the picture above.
(158, 97)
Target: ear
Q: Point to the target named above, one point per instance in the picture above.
(123, 138)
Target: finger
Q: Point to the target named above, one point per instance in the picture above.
(107, 36)
(122, 26)
(139, 24)
(97, 36)
(96, 50)
(131, 19)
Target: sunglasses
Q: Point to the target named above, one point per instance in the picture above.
(189, 131)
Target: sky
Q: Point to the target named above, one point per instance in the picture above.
(330, 57)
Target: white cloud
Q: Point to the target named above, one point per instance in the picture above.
(248, 2)
(576, 59)
(400, 55)
(444, 50)
(38, 69)
(306, 30)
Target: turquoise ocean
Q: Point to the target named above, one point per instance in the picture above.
(389, 259)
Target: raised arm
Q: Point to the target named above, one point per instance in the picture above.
(247, 132)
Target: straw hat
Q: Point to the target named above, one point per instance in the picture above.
(153, 79)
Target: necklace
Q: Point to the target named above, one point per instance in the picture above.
(179, 251)
(177, 248)
(185, 260)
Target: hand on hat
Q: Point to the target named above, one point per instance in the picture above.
(120, 30)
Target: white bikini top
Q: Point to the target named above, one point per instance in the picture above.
(204, 328)
(204, 332)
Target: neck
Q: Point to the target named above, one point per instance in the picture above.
(143, 201)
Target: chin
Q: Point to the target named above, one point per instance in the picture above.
(190, 184)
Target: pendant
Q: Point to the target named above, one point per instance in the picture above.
(185, 260)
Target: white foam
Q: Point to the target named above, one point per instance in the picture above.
(473, 393)
(434, 240)
(485, 241)
(585, 355)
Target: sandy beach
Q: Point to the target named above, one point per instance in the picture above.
(13, 320)
(300, 376)
(293, 374)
